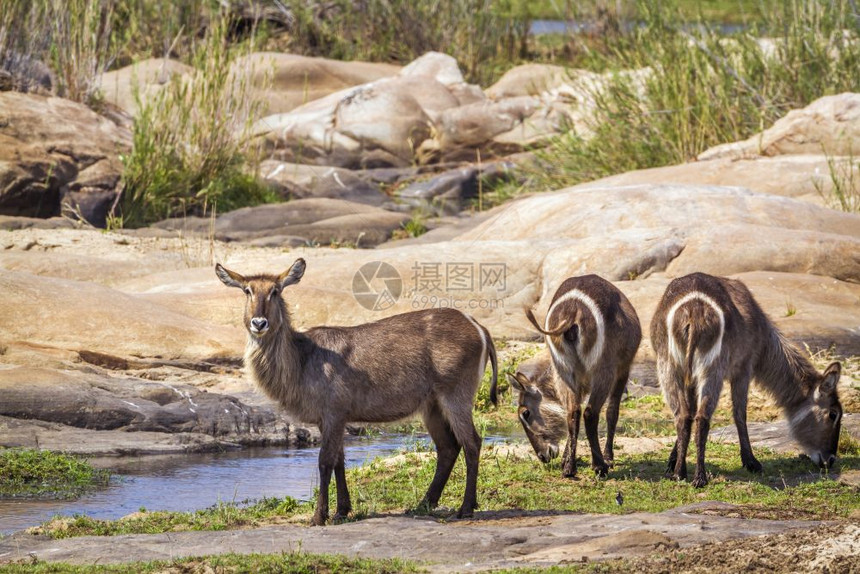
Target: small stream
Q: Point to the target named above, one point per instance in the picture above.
(197, 481)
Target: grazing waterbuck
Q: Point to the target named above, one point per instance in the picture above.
(543, 404)
(429, 361)
(707, 329)
(592, 332)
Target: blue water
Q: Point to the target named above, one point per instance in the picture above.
(191, 482)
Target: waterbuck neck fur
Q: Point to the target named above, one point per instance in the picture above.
(592, 332)
(707, 329)
(429, 361)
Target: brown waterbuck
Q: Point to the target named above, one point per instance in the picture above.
(429, 361)
(707, 329)
(592, 332)
(543, 404)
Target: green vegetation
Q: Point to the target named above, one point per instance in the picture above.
(73, 36)
(222, 516)
(704, 87)
(511, 478)
(789, 484)
(285, 563)
(26, 472)
(843, 193)
(192, 148)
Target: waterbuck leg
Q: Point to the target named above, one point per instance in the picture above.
(612, 411)
(344, 506)
(683, 426)
(709, 394)
(599, 390)
(671, 383)
(330, 451)
(568, 463)
(460, 421)
(703, 425)
(673, 458)
(447, 451)
(740, 392)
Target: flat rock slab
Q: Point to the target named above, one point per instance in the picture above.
(492, 540)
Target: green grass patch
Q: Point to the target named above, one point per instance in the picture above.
(222, 516)
(30, 473)
(192, 150)
(790, 486)
(705, 87)
(288, 562)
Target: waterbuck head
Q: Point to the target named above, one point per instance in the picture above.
(543, 417)
(265, 311)
(816, 422)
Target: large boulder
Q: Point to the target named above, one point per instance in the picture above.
(59, 313)
(530, 80)
(377, 124)
(100, 402)
(302, 181)
(138, 83)
(283, 82)
(829, 125)
(594, 210)
(55, 153)
(315, 220)
(806, 177)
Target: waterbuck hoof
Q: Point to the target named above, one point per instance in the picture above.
(699, 481)
(753, 466)
(465, 513)
(568, 472)
(318, 520)
(609, 459)
(600, 470)
(424, 507)
(670, 474)
(340, 516)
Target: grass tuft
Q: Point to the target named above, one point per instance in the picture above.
(192, 147)
(703, 87)
(39, 473)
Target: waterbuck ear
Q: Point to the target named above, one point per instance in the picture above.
(293, 274)
(515, 383)
(229, 278)
(830, 378)
(522, 383)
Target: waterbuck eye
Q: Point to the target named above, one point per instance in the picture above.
(525, 415)
(834, 415)
(247, 291)
(274, 292)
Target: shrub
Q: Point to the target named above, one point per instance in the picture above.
(192, 147)
(704, 87)
(73, 36)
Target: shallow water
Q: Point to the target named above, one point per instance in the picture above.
(191, 482)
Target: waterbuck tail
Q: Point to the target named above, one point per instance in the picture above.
(692, 342)
(565, 325)
(491, 352)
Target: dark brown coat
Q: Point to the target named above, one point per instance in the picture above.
(592, 332)
(429, 361)
(708, 329)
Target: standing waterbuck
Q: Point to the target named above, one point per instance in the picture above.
(707, 329)
(592, 332)
(429, 361)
